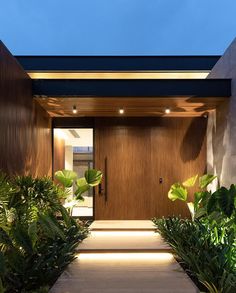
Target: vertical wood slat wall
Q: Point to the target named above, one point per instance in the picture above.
(25, 128)
(140, 151)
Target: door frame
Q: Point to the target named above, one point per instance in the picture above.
(78, 122)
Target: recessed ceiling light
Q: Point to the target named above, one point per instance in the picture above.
(167, 110)
(74, 110)
(121, 111)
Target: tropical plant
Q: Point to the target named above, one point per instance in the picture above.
(69, 178)
(207, 244)
(213, 264)
(37, 235)
(180, 191)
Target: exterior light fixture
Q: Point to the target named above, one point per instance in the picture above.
(121, 111)
(163, 256)
(167, 110)
(74, 110)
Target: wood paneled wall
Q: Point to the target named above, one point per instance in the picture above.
(140, 151)
(58, 154)
(25, 128)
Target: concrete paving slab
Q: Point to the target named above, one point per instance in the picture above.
(131, 258)
(124, 275)
(108, 241)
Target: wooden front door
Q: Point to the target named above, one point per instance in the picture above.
(140, 158)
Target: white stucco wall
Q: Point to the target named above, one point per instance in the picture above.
(221, 130)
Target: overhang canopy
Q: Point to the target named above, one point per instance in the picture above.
(142, 85)
(133, 88)
(117, 63)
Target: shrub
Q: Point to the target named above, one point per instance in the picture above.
(213, 264)
(207, 244)
(37, 236)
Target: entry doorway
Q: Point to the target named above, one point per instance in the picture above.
(140, 159)
(73, 150)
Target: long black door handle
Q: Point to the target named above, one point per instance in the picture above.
(105, 177)
(100, 189)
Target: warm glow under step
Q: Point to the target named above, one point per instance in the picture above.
(123, 241)
(124, 257)
(117, 225)
(124, 273)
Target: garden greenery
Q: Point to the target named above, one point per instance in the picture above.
(68, 179)
(206, 245)
(37, 235)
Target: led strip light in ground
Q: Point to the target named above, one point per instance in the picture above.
(162, 256)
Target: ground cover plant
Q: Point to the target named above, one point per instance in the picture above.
(38, 236)
(206, 244)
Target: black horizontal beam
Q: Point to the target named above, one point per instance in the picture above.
(132, 88)
(117, 63)
(72, 122)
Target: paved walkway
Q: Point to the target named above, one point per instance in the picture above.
(129, 258)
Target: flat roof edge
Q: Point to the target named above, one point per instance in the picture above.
(117, 63)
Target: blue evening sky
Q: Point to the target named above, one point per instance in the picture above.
(117, 27)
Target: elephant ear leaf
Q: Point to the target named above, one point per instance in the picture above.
(177, 191)
(205, 180)
(66, 177)
(93, 177)
(212, 203)
(190, 182)
(82, 186)
(226, 200)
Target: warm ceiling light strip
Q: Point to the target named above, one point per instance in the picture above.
(118, 75)
(161, 256)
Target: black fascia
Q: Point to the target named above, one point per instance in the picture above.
(117, 63)
(132, 88)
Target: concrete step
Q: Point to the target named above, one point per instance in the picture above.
(123, 241)
(127, 225)
(124, 273)
(124, 257)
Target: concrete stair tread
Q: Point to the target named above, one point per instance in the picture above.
(124, 257)
(120, 225)
(123, 241)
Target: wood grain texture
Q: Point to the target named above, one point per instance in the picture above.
(25, 127)
(58, 154)
(140, 152)
(134, 106)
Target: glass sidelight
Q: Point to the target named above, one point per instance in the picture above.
(73, 150)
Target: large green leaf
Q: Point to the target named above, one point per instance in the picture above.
(22, 238)
(205, 180)
(190, 182)
(226, 200)
(93, 177)
(177, 191)
(212, 203)
(82, 186)
(66, 177)
(51, 226)
(201, 197)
